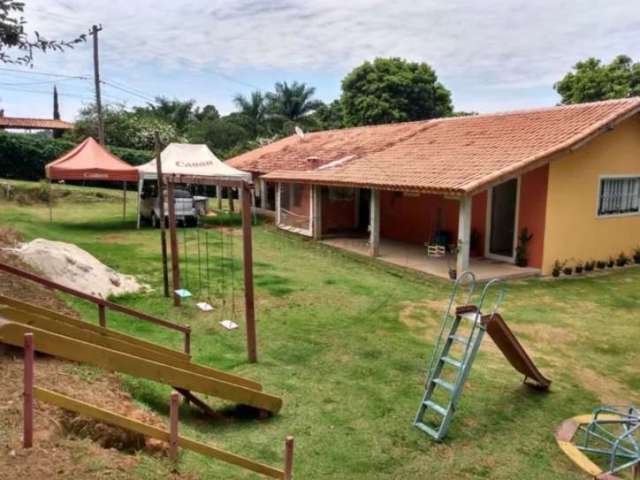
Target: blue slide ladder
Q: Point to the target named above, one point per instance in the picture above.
(455, 350)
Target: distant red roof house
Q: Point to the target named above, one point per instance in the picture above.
(447, 155)
(569, 175)
(34, 123)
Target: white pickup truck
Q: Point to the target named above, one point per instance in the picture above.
(186, 212)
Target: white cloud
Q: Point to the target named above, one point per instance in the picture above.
(488, 47)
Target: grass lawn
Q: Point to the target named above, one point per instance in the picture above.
(345, 341)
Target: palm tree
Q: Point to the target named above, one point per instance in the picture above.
(292, 103)
(179, 113)
(254, 110)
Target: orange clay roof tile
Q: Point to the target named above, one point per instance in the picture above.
(451, 155)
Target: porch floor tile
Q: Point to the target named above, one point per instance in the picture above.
(414, 256)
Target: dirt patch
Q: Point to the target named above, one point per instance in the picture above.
(544, 334)
(59, 436)
(608, 390)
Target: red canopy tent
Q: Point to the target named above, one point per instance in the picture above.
(92, 161)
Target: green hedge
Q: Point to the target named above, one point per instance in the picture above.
(23, 157)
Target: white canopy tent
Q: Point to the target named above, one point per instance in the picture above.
(189, 160)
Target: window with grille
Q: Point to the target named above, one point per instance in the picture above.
(619, 196)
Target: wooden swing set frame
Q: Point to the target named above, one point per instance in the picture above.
(245, 188)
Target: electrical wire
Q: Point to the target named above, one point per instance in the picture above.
(48, 74)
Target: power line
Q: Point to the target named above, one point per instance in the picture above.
(38, 82)
(48, 74)
(130, 92)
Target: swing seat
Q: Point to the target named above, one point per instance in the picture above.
(183, 293)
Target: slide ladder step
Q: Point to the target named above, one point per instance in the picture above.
(452, 362)
(436, 408)
(444, 384)
(459, 339)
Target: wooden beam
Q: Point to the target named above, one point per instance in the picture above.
(27, 345)
(374, 224)
(464, 235)
(288, 458)
(173, 239)
(23, 312)
(163, 234)
(178, 376)
(174, 404)
(121, 421)
(247, 261)
(83, 331)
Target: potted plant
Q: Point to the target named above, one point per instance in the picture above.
(636, 255)
(567, 270)
(601, 264)
(557, 268)
(579, 267)
(622, 260)
(611, 262)
(521, 250)
(589, 266)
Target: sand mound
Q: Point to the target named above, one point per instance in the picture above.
(73, 267)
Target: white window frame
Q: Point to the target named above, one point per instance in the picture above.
(613, 215)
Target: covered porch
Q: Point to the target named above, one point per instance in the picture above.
(414, 257)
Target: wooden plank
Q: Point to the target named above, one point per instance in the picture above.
(27, 414)
(117, 420)
(122, 343)
(27, 308)
(97, 300)
(173, 242)
(80, 351)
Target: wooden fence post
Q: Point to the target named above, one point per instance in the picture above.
(173, 426)
(102, 315)
(27, 441)
(288, 458)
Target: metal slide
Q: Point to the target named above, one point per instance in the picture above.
(75, 340)
(513, 351)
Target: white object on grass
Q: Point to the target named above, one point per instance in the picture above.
(229, 324)
(204, 306)
(183, 293)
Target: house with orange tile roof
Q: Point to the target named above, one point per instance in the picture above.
(569, 175)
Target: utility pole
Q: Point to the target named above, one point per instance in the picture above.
(96, 77)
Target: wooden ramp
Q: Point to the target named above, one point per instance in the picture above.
(79, 341)
(120, 421)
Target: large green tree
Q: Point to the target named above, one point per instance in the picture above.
(591, 80)
(13, 36)
(124, 128)
(391, 90)
(180, 113)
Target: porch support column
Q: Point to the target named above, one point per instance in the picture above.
(316, 211)
(374, 224)
(263, 195)
(464, 235)
(278, 195)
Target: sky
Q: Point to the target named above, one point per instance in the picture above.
(493, 55)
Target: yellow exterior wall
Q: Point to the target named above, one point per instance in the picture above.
(573, 229)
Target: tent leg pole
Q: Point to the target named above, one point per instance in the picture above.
(138, 203)
(50, 202)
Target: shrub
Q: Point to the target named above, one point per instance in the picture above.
(622, 260)
(567, 270)
(23, 157)
(589, 265)
(579, 267)
(601, 264)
